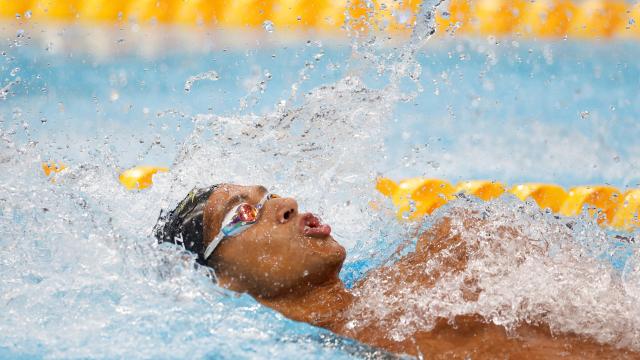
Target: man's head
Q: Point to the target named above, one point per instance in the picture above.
(282, 252)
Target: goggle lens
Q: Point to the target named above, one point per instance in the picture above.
(247, 213)
(236, 221)
(244, 216)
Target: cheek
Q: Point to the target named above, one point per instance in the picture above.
(287, 257)
(319, 256)
(271, 238)
(277, 249)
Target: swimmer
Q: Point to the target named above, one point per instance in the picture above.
(259, 243)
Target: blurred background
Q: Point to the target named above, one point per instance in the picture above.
(559, 77)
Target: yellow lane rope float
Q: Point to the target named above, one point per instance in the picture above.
(139, 177)
(416, 197)
(52, 167)
(485, 190)
(540, 18)
(604, 199)
(136, 178)
(547, 196)
(626, 215)
(545, 18)
(597, 18)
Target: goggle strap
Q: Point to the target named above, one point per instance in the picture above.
(216, 241)
(213, 244)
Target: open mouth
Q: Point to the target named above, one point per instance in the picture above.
(312, 226)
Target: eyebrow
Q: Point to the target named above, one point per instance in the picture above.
(235, 199)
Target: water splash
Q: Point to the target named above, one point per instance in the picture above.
(306, 147)
(523, 266)
(6, 90)
(401, 65)
(79, 268)
(208, 75)
(268, 26)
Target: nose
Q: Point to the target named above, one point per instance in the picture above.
(286, 209)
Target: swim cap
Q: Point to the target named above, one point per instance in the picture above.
(184, 225)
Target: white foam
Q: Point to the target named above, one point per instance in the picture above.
(526, 266)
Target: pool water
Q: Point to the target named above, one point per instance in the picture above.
(318, 119)
(581, 124)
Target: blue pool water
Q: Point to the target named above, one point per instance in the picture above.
(80, 275)
(580, 129)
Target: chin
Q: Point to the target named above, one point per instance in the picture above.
(329, 246)
(326, 264)
(341, 252)
(327, 251)
(336, 255)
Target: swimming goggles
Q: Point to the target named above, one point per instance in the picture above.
(237, 220)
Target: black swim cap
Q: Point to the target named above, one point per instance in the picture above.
(184, 225)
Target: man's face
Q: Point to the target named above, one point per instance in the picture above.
(283, 252)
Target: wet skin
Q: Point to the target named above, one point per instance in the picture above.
(289, 262)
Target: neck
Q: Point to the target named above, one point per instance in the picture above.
(322, 305)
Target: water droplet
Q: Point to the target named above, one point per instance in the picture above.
(18, 16)
(14, 72)
(20, 33)
(268, 26)
(616, 158)
(43, 120)
(412, 207)
(584, 115)
(27, 14)
(209, 75)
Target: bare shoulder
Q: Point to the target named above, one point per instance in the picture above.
(447, 232)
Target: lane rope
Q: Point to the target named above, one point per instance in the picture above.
(417, 197)
(539, 18)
